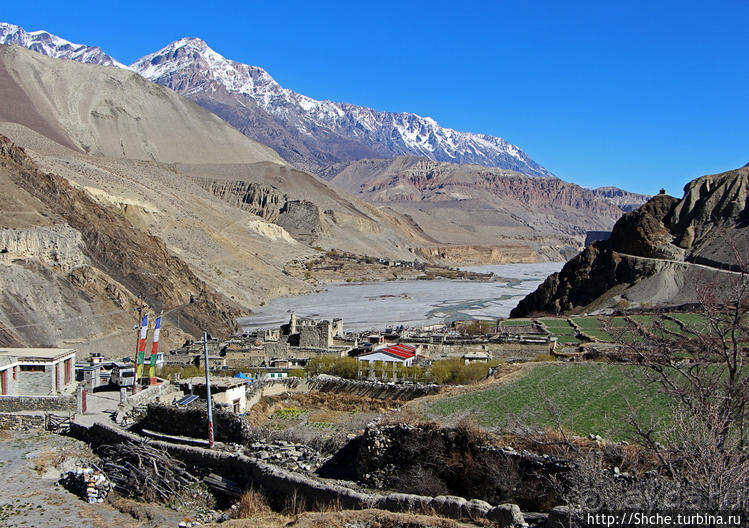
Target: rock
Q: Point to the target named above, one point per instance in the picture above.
(402, 502)
(476, 508)
(652, 249)
(559, 517)
(449, 506)
(506, 515)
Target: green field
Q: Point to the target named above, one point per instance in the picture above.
(587, 323)
(556, 323)
(692, 321)
(594, 398)
(601, 335)
(516, 322)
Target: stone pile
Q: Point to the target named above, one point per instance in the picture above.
(287, 455)
(87, 482)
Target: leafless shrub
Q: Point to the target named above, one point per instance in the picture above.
(704, 370)
(253, 502)
(294, 504)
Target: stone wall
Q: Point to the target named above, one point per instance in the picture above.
(37, 403)
(22, 421)
(317, 336)
(192, 421)
(430, 459)
(404, 391)
(496, 350)
(277, 349)
(284, 483)
(149, 394)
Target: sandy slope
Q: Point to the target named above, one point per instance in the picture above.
(116, 113)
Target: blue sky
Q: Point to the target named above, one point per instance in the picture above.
(641, 95)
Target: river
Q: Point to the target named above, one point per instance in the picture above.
(375, 305)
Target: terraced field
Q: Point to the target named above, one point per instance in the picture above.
(592, 398)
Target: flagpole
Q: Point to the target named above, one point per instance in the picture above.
(154, 350)
(139, 309)
(208, 390)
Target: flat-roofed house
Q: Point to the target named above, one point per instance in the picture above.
(228, 391)
(37, 371)
(8, 376)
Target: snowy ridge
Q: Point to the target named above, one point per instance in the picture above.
(190, 67)
(53, 46)
(326, 132)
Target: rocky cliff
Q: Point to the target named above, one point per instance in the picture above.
(471, 205)
(661, 253)
(90, 253)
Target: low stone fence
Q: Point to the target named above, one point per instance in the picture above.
(192, 421)
(22, 422)
(281, 481)
(373, 389)
(149, 394)
(37, 403)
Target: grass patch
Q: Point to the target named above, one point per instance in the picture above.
(692, 321)
(601, 335)
(592, 399)
(556, 323)
(291, 413)
(516, 322)
(588, 323)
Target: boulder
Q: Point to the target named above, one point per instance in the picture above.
(506, 515)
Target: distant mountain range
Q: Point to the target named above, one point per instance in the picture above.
(53, 46)
(310, 134)
(451, 196)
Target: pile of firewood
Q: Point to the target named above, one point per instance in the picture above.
(144, 471)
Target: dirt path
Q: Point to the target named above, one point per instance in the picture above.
(32, 499)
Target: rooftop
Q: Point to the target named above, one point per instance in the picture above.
(216, 383)
(36, 354)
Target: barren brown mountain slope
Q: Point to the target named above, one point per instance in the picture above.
(71, 268)
(98, 228)
(490, 214)
(115, 113)
(659, 254)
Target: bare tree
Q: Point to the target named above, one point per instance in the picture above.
(704, 370)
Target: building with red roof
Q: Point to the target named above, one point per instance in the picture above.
(400, 353)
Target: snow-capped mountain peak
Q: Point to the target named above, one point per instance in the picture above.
(310, 133)
(54, 46)
(192, 68)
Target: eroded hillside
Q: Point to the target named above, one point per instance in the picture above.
(665, 252)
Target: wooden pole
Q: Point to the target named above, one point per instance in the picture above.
(208, 390)
(141, 306)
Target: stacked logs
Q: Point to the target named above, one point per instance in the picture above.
(144, 471)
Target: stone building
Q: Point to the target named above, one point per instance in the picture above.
(37, 371)
(8, 376)
(227, 391)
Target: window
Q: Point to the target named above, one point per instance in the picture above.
(235, 404)
(68, 371)
(14, 374)
(32, 368)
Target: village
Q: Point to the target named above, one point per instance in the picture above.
(168, 397)
(274, 353)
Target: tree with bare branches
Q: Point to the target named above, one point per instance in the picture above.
(704, 369)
